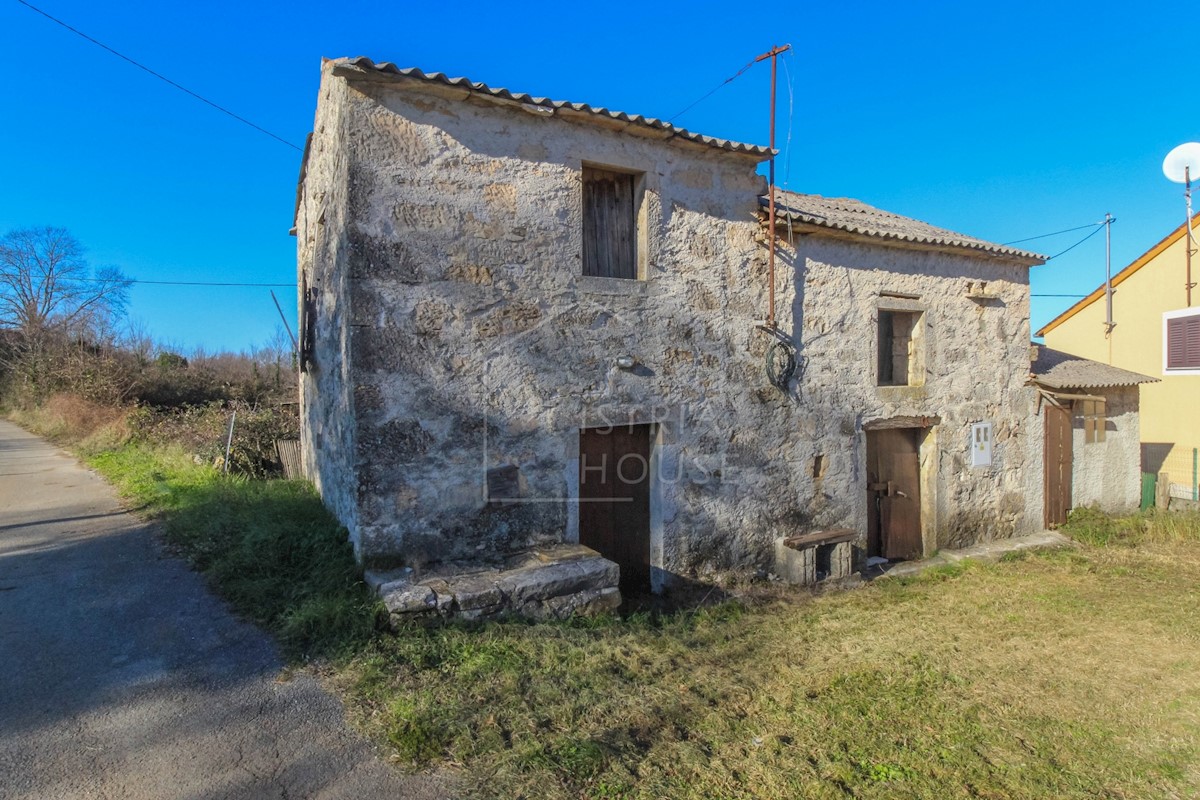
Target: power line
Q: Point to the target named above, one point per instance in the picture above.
(161, 77)
(715, 89)
(1056, 233)
(1081, 241)
(191, 283)
(1058, 295)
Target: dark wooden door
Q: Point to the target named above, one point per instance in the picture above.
(894, 493)
(614, 499)
(1058, 464)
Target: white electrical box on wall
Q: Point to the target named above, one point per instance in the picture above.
(981, 444)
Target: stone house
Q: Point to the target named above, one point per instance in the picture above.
(529, 322)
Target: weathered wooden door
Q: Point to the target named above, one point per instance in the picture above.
(1058, 460)
(894, 493)
(614, 499)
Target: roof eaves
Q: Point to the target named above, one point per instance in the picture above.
(363, 66)
(952, 242)
(1057, 369)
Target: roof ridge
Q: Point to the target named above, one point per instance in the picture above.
(389, 68)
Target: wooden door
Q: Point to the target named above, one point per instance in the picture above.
(614, 499)
(1058, 460)
(894, 493)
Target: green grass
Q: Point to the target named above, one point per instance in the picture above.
(1064, 674)
(1129, 530)
(1067, 675)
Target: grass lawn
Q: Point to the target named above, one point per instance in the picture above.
(1066, 674)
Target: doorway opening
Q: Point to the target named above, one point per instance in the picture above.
(614, 499)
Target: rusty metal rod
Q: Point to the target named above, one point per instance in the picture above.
(772, 54)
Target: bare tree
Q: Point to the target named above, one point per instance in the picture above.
(57, 312)
(137, 339)
(46, 283)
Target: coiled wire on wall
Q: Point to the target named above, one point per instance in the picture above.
(780, 364)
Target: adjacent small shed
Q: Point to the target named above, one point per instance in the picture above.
(1091, 451)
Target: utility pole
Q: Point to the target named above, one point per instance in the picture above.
(772, 54)
(1108, 314)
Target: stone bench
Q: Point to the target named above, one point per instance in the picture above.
(552, 582)
(807, 559)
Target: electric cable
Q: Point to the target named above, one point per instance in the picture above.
(1056, 233)
(161, 77)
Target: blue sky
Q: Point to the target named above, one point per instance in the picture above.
(1003, 121)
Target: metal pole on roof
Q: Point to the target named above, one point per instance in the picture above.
(772, 54)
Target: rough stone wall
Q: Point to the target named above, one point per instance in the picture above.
(477, 343)
(326, 389)
(975, 367)
(1106, 474)
(459, 335)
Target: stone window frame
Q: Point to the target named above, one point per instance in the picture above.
(918, 361)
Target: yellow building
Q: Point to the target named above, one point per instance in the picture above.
(1155, 331)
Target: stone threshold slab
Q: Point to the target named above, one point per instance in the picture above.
(544, 583)
(987, 551)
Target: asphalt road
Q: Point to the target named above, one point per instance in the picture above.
(122, 676)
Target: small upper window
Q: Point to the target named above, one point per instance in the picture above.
(899, 339)
(1181, 345)
(609, 223)
(1094, 420)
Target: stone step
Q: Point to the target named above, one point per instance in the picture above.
(546, 583)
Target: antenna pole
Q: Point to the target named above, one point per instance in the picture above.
(772, 54)
(1108, 315)
(1187, 193)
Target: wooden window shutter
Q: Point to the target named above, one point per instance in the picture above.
(609, 224)
(1183, 342)
(1094, 420)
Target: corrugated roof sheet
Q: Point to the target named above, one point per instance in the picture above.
(387, 69)
(1059, 370)
(859, 219)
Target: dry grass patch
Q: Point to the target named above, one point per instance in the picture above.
(1065, 674)
(73, 420)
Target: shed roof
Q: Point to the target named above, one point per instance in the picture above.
(854, 218)
(364, 67)
(1058, 370)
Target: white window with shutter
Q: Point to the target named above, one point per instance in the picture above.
(1181, 342)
